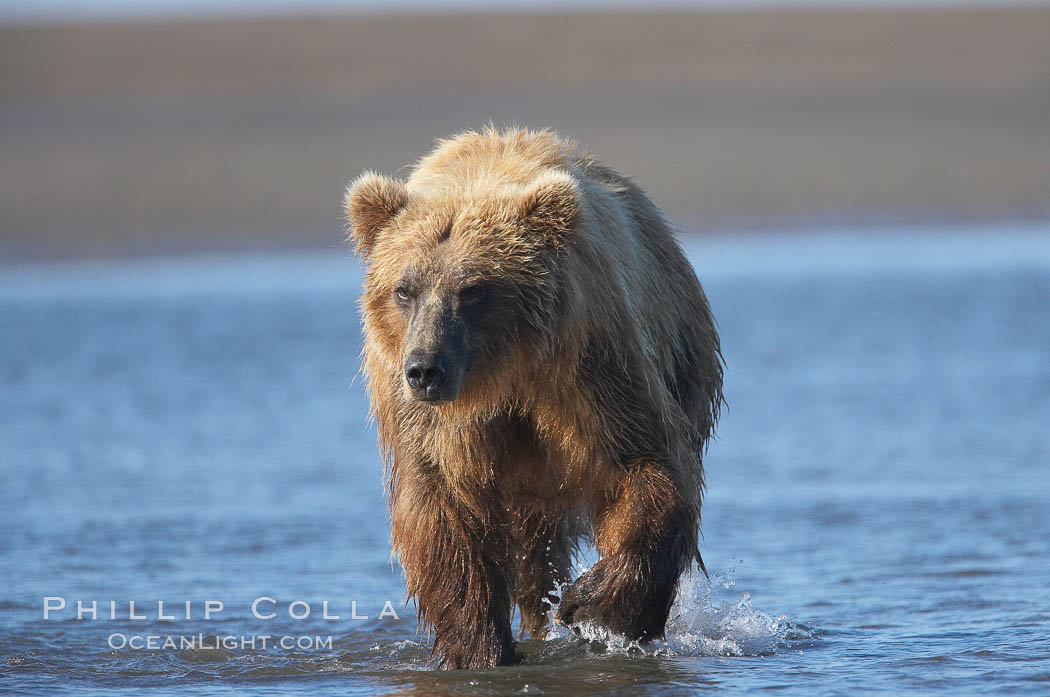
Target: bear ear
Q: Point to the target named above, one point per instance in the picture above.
(372, 200)
(551, 205)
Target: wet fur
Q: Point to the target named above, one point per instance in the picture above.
(594, 384)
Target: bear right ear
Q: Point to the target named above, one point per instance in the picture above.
(372, 200)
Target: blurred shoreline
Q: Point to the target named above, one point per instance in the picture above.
(137, 139)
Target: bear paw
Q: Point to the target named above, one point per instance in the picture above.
(465, 650)
(611, 597)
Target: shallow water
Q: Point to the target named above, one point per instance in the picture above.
(877, 518)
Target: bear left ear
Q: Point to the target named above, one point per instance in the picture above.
(551, 205)
(372, 200)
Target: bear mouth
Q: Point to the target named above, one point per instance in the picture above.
(434, 398)
(432, 395)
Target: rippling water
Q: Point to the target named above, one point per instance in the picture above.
(191, 430)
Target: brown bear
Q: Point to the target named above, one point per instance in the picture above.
(543, 365)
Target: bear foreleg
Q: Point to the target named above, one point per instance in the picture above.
(454, 563)
(646, 537)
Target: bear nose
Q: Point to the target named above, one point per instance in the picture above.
(423, 370)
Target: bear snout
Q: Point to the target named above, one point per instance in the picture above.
(427, 374)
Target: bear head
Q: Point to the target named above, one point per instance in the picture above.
(460, 289)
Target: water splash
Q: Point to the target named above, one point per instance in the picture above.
(703, 623)
(705, 620)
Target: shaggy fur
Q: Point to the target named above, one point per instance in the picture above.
(584, 379)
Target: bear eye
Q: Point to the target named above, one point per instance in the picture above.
(403, 293)
(472, 293)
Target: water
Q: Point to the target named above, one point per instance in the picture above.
(877, 518)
